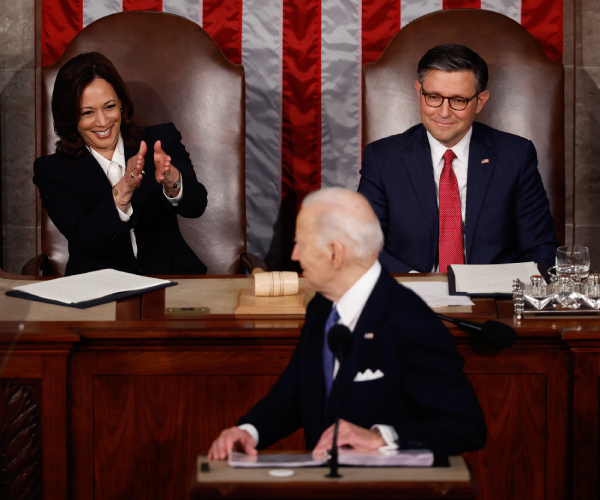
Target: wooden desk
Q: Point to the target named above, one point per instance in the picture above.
(139, 398)
(585, 344)
(402, 483)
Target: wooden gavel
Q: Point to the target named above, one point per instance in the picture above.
(275, 284)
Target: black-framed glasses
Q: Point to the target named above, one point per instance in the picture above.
(457, 103)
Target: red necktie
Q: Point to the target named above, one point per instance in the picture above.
(451, 237)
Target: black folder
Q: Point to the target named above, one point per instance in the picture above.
(90, 303)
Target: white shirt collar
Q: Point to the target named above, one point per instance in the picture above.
(461, 149)
(352, 303)
(118, 156)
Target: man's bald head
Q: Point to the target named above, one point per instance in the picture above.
(346, 216)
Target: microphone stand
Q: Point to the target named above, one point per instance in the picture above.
(333, 459)
(341, 344)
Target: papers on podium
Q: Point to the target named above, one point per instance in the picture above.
(492, 279)
(435, 294)
(89, 289)
(388, 458)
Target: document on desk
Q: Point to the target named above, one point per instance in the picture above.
(377, 458)
(492, 279)
(435, 294)
(89, 289)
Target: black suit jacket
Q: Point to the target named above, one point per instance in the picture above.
(79, 201)
(424, 393)
(507, 216)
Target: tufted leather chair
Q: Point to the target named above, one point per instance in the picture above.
(176, 73)
(526, 88)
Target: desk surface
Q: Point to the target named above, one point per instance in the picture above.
(357, 482)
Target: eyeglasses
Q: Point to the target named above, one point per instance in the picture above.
(457, 103)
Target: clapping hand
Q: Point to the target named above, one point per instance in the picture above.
(166, 174)
(132, 178)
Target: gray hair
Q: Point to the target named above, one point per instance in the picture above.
(346, 217)
(452, 57)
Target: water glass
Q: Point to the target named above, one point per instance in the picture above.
(573, 261)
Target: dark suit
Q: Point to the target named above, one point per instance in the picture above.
(423, 394)
(79, 201)
(507, 214)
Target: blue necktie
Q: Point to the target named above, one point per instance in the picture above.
(328, 361)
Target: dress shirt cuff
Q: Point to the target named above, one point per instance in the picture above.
(413, 271)
(125, 216)
(389, 435)
(250, 429)
(174, 201)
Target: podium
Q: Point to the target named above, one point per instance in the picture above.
(223, 481)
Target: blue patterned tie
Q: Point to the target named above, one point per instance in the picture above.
(328, 361)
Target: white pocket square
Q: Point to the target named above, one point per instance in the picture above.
(368, 375)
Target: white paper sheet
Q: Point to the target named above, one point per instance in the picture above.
(492, 278)
(89, 286)
(377, 458)
(435, 294)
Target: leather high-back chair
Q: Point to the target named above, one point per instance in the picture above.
(176, 73)
(526, 88)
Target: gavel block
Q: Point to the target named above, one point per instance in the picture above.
(276, 292)
(275, 284)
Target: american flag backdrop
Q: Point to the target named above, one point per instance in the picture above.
(303, 61)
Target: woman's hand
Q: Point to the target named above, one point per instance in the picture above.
(133, 174)
(166, 174)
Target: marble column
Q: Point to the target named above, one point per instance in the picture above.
(17, 129)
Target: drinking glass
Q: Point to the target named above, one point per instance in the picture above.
(573, 261)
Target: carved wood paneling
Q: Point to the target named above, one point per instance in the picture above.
(20, 451)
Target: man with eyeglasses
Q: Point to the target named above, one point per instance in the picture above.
(451, 190)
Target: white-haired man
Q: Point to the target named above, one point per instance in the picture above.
(411, 392)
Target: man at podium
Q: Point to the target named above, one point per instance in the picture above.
(402, 385)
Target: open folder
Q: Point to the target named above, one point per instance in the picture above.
(89, 289)
(376, 458)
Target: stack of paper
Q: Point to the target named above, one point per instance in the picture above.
(85, 290)
(435, 294)
(377, 458)
(489, 279)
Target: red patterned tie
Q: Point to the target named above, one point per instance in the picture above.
(451, 237)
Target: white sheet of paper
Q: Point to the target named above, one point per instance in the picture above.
(492, 278)
(435, 294)
(375, 458)
(89, 286)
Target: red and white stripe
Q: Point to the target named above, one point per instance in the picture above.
(303, 61)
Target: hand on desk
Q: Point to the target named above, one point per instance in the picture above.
(359, 438)
(229, 439)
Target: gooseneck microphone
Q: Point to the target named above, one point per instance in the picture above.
(491, 332)
(341, 343)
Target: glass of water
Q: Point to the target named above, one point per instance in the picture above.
(573, 261)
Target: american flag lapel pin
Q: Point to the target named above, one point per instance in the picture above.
(369, 335)
(485, 161)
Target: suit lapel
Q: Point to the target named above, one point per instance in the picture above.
(91, 179)
(369, 322)
(478, 179)
(420, 171)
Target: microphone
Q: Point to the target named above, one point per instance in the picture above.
(341, 343)
(491, 332)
